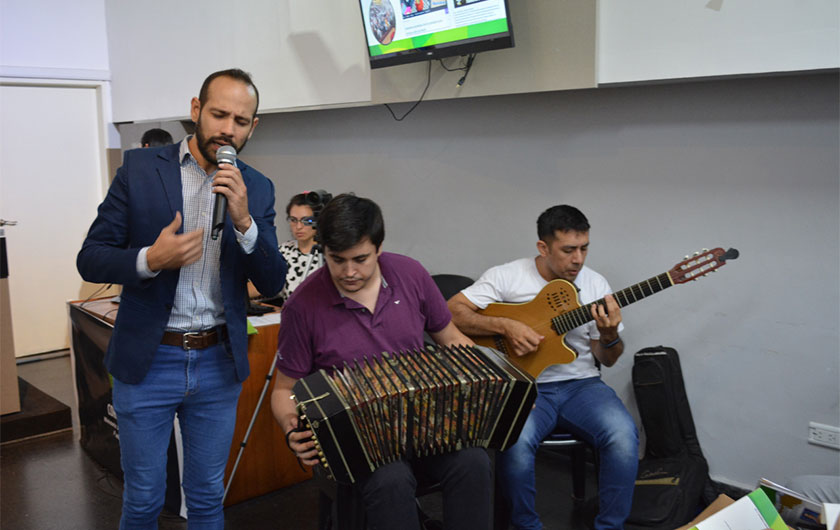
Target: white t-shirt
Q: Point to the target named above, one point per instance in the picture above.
(519, 281)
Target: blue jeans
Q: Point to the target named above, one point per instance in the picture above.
(201, 387)
(590, 409)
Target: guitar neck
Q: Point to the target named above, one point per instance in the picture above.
(583, 314)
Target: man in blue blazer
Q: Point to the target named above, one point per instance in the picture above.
(180, 338)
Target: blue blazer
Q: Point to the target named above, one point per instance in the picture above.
(141, 201)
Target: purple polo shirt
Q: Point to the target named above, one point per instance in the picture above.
(321, 329)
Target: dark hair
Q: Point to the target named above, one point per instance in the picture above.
(297, 200)
(155, 138)
(233, 73)
(346, 220)
(561, 217)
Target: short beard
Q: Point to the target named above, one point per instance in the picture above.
(203, 143)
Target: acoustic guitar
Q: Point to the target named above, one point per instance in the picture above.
(556, 309)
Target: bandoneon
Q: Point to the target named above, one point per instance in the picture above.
(382, 408)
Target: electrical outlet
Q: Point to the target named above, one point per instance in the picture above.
(826, 435)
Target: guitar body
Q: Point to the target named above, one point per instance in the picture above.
(556, 298)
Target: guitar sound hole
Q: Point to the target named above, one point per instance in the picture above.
(557, 302)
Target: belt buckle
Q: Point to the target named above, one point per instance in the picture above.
(185, 339)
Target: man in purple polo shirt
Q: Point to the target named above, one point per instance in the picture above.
(365, 302)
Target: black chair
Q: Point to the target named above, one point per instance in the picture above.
(558, 440)
(562, 440)
(343, 504)
(451, 284)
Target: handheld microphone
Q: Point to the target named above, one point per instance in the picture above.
(226, 154)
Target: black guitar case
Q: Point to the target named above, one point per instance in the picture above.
(673, 472)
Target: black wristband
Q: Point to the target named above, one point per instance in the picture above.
(611, 343)
(300, 464)
(287, 439)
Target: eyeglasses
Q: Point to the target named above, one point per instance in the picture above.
(305, 221)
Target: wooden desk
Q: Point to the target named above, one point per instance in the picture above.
(266, 464)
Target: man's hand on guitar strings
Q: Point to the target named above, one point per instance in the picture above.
(522, 337)
(607, 319)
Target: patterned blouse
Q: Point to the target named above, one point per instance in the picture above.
(300, 265)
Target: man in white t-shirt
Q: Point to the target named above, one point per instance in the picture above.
(572, 395)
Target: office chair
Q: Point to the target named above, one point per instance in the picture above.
(451, 284)
(562, 440)
(558, 440)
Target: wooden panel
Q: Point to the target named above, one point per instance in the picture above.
(266, 463)
(9, 391)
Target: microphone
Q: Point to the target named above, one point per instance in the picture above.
(226, 154)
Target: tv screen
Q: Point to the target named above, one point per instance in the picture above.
(406, 31)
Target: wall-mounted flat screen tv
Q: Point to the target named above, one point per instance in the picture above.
(406, 31)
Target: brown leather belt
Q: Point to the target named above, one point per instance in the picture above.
(195, 340)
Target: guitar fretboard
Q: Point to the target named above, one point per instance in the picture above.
(583, 314)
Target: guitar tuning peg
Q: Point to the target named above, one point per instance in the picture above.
(686, 256)
(705, 250)
(696, 253)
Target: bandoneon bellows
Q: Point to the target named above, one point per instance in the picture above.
(382, 408)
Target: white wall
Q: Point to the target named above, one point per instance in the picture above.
(58, 42)
(53, 39)
(661, 39)
(53, 198)
(661, 171)
(300, 53)
(312, 54)
(55, 118)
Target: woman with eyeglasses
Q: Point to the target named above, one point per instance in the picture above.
(301, 253)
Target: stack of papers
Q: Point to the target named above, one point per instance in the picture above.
(265, 320)
(831, 515)
(794, 507)
(752, 512)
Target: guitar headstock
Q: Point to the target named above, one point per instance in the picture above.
(701, 264)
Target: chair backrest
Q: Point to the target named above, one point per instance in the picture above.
(451, 284)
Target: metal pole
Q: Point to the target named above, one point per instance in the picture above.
(242, 445)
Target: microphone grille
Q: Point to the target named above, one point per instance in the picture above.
(226, 154)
